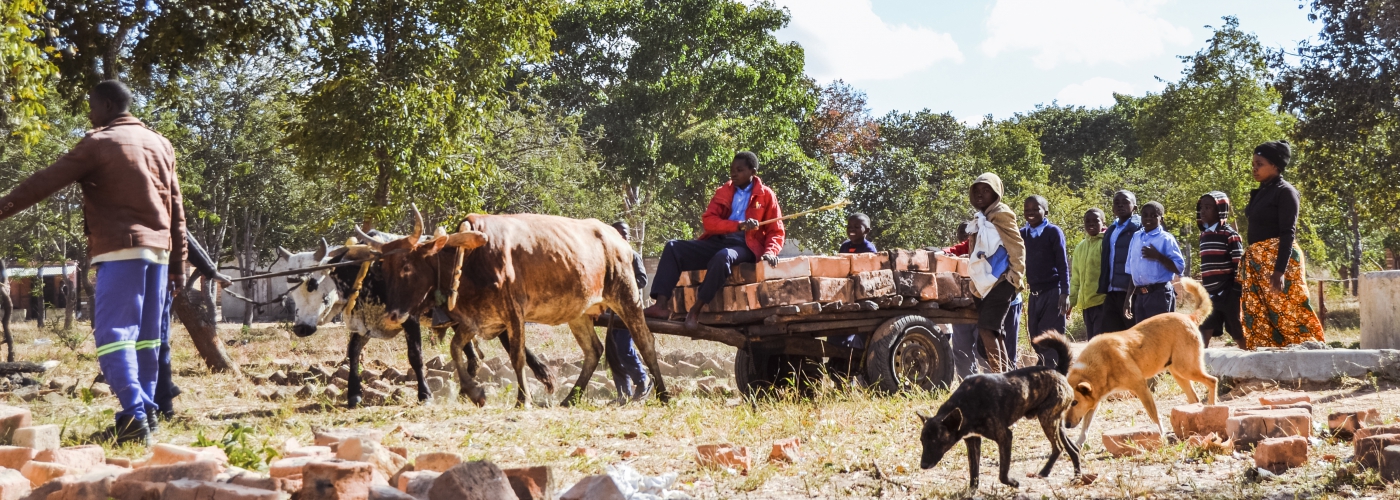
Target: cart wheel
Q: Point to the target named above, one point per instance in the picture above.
(780, 370)
(909, 352)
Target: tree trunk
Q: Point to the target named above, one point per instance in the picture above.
(196, 311)
(1355, 252)
(381, 186)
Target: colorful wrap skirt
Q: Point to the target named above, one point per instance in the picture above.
(1275, 319)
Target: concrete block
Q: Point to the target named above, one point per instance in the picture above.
(785, 292)
(1380, 319)
(1300, 366)
(830, 267)
(38, 437)
(827, 290)
(1280, 454)
(1198, 419)
(872, 284)
(1252, 427)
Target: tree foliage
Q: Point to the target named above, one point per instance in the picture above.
(25, 69)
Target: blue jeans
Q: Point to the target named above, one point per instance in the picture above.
(129, 317)
(626, 364)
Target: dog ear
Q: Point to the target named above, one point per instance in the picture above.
(954, 420)
(1083, 388)
(923, 419)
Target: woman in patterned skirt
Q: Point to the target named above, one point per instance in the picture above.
(1274, 301)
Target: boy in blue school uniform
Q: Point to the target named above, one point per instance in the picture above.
(1154, 259)
(857, 229)
(1047, 273)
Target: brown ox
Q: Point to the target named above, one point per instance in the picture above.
(518, 268)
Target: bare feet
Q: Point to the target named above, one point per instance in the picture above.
(692, 318)
(657, 310)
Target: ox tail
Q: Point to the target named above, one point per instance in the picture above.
(1056, 342)
(1196, 299)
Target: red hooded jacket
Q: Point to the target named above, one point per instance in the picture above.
(763, 205)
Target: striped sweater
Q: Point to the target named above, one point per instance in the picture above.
(1221, 251)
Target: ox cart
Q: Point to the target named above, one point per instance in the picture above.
(904, 342)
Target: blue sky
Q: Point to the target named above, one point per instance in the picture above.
(998, 57)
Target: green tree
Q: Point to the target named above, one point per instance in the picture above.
(398, 88)
(1076, 141)
(25, 71)
(670, 90)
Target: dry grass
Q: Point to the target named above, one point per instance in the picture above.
(859, 445)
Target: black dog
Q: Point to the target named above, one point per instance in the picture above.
(988, 405)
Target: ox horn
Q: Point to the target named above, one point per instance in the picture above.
(323, 251)
(417, 225)
(367, 239)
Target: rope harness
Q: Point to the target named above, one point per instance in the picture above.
(355, 290)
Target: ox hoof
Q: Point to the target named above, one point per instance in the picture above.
(353, 402)
(573, 399)
(476, 395)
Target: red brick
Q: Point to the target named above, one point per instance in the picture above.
(531, 483)
(786, 450)
(950, 287)
(1280, 454)
(830, 267)
(79, 458)
(964, 267)
(186, 489)
(309, 451)
(436, 461)
(691, 278)
(122, 462)
(136, 490)
(166, 454)
(92, 486)
(909, 260)
(14, 457)
(39, 437)
(944, 263)
(417, 483)
(827, 290)
(600, 487)
(1344, 424)
(202, 470)
(796, 267)
(1390, 463)
(1250, 428)
(330, 437)
(872, 284)
(362, 449)
(723, 455)
(735, 298)
(742, 274)
(480, 480)
(867, 262)
(255, 481)
(336, 480)
(1198, 419)
(1377, 430)
(923, 286)
(785, 292)
(1127, 442)
(42, 472)
(1285, 398)
(13, 485)
(11, 419)
(291, 467)
(1369, 449)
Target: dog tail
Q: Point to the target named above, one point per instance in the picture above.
(1054, 341)
(1196, 299)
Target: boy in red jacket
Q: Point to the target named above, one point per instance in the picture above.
(732, 236)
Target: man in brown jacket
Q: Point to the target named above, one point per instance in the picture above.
(136, 237)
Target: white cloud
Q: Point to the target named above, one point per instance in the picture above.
(1094, 92)
(1081, 31)
(845, 39)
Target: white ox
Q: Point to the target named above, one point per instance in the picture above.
(315, 299)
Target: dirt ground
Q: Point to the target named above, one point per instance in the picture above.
(857, 444)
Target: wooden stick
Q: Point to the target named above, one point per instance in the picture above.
(355, 291)
(832, 206)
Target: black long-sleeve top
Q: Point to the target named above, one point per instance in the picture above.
(1273, 213)
(639, 270)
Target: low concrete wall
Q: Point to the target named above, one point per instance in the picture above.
(1319, 365)
(1380, 318)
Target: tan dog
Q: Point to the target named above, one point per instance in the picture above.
(1126, 360)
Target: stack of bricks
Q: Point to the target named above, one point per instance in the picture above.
(844, 278)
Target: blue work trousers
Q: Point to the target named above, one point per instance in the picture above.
(129, 317)
(628, 374)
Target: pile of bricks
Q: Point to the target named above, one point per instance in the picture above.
(844, 279)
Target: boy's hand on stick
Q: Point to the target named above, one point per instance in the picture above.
(748, 225)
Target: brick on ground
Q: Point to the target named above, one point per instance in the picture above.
(261, 482)
(333, 437)
(309, 451)
(830, 267)
(828, 290)
(1280, 454)
(79, 458)
(93, 485)
(478, 480)
(531, 483)
(417, 483)
(363, 449)
(723, 455)
(1377, 430)
(599, 487)
(200, 470)
(784, 292)
(438, 461)
(873, 284)
(382, 492)
(796, 267)
(336, 480)
(187, 489)
(14, 457)
(13, 485)
(920, 285)
(1285, 398)
(1368, 450)
(1198, 419)
(1247, 429)
(166, 454)
(1344, 424)
(38, 437)
(13, 418)
(136, 490)
(1390, 463)
(290, 467)
(867, 262)
(42, 472)
(786, 450)
(1134, 441)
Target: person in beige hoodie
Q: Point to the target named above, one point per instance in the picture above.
(999, 263)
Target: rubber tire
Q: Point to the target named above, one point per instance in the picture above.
(879, 356)
(752, 384)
